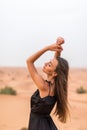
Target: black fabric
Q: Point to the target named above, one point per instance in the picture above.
(41, 108)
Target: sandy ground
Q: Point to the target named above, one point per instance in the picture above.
(14, 110)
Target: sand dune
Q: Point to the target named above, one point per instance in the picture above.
(14, 110)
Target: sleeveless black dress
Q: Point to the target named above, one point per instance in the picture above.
(40, 118)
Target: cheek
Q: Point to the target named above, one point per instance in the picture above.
(47, 70)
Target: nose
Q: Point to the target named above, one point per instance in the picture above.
(46, 63)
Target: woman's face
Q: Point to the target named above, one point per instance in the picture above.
(49, 67)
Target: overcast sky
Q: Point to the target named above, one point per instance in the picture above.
(28, 25)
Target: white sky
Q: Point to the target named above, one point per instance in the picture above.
(28, 25)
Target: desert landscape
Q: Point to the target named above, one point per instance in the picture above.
(14, 110)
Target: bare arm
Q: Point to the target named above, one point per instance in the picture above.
(58, 53)
(39, 81)
(59, 42)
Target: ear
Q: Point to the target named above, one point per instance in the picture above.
(55, 74)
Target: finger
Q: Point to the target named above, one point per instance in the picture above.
(59, 47)
(59, 43)
(58, 50)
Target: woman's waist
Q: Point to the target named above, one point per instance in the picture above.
(40, 114)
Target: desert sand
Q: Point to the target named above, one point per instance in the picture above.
(14, 110)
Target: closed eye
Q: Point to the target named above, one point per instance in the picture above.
(50, 64)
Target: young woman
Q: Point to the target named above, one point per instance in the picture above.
(50, 91)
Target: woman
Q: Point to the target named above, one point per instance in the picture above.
(51, 91)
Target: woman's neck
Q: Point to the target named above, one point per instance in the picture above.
(50, 79)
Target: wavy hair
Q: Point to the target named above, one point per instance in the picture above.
(61, 89)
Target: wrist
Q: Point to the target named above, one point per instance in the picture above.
(57, 54)
(47, 48)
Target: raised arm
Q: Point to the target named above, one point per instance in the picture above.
(59, 42)
(39, 81)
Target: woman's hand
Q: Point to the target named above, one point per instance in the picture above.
(56, 47)
(60, 40)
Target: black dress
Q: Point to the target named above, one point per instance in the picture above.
(40, 118)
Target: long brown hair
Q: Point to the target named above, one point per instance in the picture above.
(61, 86)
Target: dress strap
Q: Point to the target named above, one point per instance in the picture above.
(49, 86)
